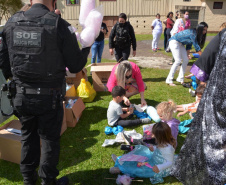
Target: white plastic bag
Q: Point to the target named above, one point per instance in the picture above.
(94, 21)
(86, 7)
(87, 37)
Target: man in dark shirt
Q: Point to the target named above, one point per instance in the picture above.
(121, 38)
(98, 46)
(37, 46)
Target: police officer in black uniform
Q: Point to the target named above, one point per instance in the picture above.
(37, 47)
(121, 37)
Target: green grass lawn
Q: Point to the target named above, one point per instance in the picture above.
(82, 158)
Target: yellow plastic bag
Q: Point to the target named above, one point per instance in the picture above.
(86, 91)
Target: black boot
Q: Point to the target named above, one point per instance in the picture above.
(62, 181)
(32, 180)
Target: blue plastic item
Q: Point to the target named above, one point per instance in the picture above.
(152, 112)
(117, 129)
(108, 130)
(141, 115)
(196, 55)
(194, 83)
(182, 128)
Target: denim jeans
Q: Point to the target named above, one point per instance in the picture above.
(97, 50)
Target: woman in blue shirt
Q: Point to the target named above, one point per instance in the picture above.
(195, 37)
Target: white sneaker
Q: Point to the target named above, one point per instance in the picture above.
(114, 170)
(145, 120)
(114, 157)
(192, 93)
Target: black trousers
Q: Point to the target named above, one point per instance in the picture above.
(40, 122)
(122, 54)
(127, 122)
(165, 39)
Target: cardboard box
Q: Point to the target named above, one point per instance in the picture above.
(72, 91)
(100, 75)
(10, 143)
(75, 78)
(73, 114)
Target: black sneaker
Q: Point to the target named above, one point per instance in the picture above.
(127, 139)
(32, 180)
(62, 181)
(127, 147)
(188, 85)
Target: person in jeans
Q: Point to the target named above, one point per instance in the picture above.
(116, 114)
(157, 31)
(169, 26)
(98, 46)
(195, 37)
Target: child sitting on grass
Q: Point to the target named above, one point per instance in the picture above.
(165, 111)
(191, 107)
(115, 113)
(153, 162)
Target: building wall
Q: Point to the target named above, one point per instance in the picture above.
(142, 12)
(188, 3)
(114, 8)
(215, 17)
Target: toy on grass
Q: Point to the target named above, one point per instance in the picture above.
(152, 112)
(139, 164)
(123, 179)
(196, 55)
(108, 130)
(117, 129)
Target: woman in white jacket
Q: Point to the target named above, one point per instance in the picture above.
(179, 25)
(157, 31)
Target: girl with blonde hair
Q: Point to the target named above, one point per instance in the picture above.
(127, 75)
(165, 111)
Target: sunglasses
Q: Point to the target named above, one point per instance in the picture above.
(128, 77)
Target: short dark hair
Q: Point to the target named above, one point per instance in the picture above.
(200, 89)
(169, 14)
(118, 91)
(122, 15)
(158, 15)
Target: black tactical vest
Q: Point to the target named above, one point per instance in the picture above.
(122, 38)
(33, 50)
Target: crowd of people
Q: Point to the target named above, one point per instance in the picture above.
(38, 70)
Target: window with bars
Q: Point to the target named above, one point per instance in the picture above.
(72, 2)
(217, 5)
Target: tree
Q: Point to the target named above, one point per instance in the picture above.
(9, 7)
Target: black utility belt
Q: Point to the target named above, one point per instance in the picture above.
(37, 91)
